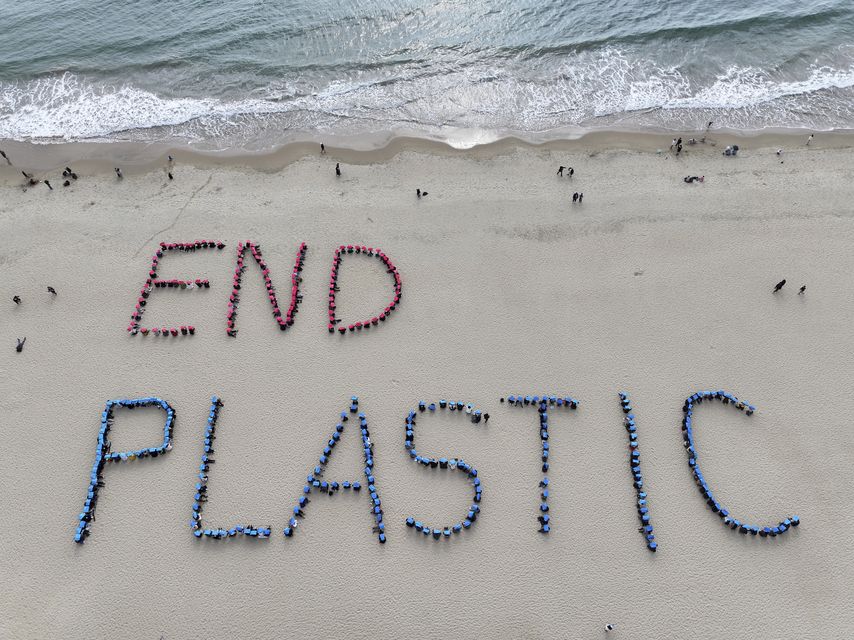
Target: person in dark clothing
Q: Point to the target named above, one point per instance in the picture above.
(580, 197)
(485, 418)
(779, 285)
(16, 299)
(418, 193)
(801, 290)
(575, 197)
(322, 148)
(560, 170)
(338, 169)
(571, 172)
(5, 157)
(20, 345)
(47, 182)
(51, 290)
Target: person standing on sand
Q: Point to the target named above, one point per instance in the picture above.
(322, 148)
(609, 627)
(580, 197)
(571, 172)
(51, 290)
(802, 289)
(20, 346)
(560, 170)
(16, 299)
(575, 197)
(672, 144)
(779, 285)
(810, 139)
(338, 169)
(418, 193)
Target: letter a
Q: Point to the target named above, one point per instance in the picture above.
(316, 483)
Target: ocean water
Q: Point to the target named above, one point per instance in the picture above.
(256, 73)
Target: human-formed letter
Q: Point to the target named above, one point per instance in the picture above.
(234, 298)
(333, 289)
(635, 465)
(152, 282)
(691, 448)
(201, 495)
(542, 405)
(315, 481)
(451, 463)
(104, 455)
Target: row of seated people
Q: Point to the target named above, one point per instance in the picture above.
(104, 455)
(783, 526)
(153, 282)
(637, 477)
(333, 288)
(543, 403)
(283, 320)
(452, 464)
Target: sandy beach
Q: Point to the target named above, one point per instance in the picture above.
(650, 286)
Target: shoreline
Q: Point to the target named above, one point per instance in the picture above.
(93, 158)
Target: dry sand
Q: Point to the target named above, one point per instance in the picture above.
(651, 286)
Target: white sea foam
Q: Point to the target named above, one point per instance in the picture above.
(577, 90)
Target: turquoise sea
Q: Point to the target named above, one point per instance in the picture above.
(255, 73)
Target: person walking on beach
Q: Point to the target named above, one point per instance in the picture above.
(5, 157)
(119, 173)
(418, 193)
(322, 149)
(16, 299)
(810, 139)
(672, 144)
(338, 169)
(580, 197)
(47, 182)
(801, 290)
(779, 285)
(575, 197)
(51, 290)
(560, 170)
(485, 418)
(571, 172)
(20, 346)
